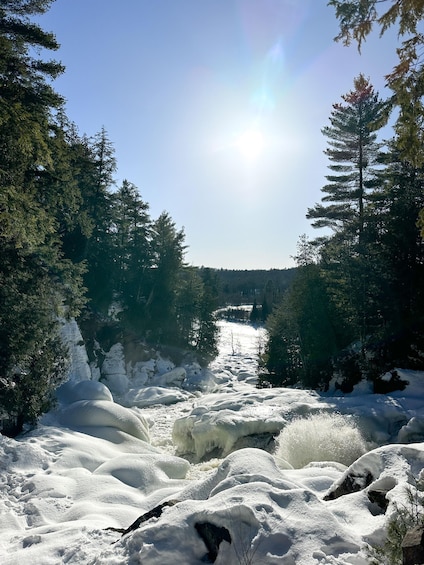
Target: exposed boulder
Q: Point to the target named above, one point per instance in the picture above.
(351, 483)
(413, 546)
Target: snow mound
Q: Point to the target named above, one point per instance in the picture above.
(174, 378)
(113, 370)
(146, 472)
(99, 413)
(154, 395)
(396, 464)
(71, 392)
(249, 494)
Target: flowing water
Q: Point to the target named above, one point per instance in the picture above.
(239, 347)
(321, 436)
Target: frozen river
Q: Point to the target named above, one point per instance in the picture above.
(235, 365)
(188, 445)
(239, 347)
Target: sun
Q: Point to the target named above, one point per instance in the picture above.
(250, 144)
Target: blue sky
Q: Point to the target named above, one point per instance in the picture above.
(182, 86)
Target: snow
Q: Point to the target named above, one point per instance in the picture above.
(286, 473)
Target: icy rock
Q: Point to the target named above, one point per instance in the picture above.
(382, 469)
(413, 546)
(164, 365)
(413, 431)
(140, 373)
(200, 379)
(204, 431)
(79, 369)
(114, 363)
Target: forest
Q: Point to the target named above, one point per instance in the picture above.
(355, 309)
(73, 243)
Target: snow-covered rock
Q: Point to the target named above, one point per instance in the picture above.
(113, 370)
(103, 413)
(222, 420)
(173, 378)
(154, 395)
(71, 392)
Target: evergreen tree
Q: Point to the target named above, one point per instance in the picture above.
(189, 299)
(36, 282)
(354, 155)
(100, 166)
(26, 102)
(167, 261)
(303, 333)
(401, 251)
(355, 160)
(356, 21)
(132, 238)
(207, 330)
(254, 314)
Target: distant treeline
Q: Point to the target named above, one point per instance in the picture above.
(239, 287)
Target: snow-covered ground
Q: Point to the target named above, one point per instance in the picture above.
(203, 443)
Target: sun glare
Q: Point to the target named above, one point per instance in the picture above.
(250, 144)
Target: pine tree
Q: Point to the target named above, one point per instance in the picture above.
(26, 102)
(352, 193)
(36, 282)
(132, 253)
(167, 261)
(354, 154)
(303, 333)
(100, 166)
(207, 331)
(401, 252)
(189, 299)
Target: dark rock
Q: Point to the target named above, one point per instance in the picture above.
(413, 546)
(153, 513)
(212, 536)
(351, 483)
(384, 386)
(378, 497)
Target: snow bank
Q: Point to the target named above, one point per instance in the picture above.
(88, 467)
(268, 517)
